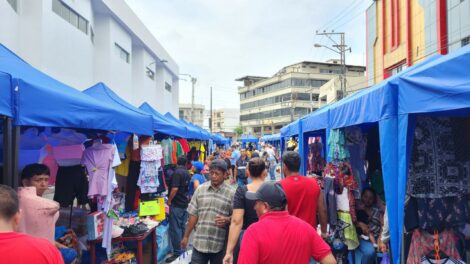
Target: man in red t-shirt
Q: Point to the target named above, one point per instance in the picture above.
(304, 197)
(279, 237)
(18, 247)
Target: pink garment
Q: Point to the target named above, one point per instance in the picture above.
(38, 215)
(97, 160)
(68, 155)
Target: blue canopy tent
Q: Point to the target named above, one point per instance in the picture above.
(6, 103)
(441, 87)
(162, 124)
(377, 104)
(204, 134)
(270, 138)
(249, 139)
(40, 100)
(192, 132)
(136, 120)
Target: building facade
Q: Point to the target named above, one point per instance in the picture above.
(331, 92)
(186, 113)
(84, 42)
(268, 103)
(224, 121)
(401, 33)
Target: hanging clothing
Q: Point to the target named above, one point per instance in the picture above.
(422, 243)
(39, 215)
(350, 232)
(337, 145)
(112, 184)
(150, 164)
(179, 150)
(202, 153)
(330, 200)
(71, 184)
(167, 146)
(51, 163)
(68, 155)
(123, 169)
(439, 165)
(97, 160)
(184, 145)
(174, 157)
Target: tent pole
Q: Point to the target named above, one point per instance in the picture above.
(14, 157)
(7, 151)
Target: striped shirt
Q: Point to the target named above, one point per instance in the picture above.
(206, 203)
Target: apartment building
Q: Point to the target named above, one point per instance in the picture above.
(186, 113)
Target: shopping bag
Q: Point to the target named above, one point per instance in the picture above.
(163, 242)
(385, 259)
(161, 215)
(184, 258)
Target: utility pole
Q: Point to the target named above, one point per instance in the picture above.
(210, 118)
(341, 50)
(193, 81)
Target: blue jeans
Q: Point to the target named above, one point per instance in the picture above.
(271, 172)
(178, 218)
(242, 182)
(366, 252)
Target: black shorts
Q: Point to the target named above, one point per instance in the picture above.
(71, 183)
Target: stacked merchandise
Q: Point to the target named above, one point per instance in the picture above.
(437, 214)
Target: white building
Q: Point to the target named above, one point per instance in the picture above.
(225, 120)
(331, 92)
(87, 41)
(187, 113)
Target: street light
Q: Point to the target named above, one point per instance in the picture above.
(193, 82)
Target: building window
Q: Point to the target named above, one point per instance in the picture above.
(150, 73)
(70, 15)
(181, 114)
(123, 54)
(168, 87)
(329, 71)
(14, 4)
(465, 41)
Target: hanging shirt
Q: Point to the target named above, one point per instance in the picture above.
(179, 150)
(184, 145)
(123, 169)
(167, 147)
(174, 157)
(68, 155)
(97, 160)
(202, 154)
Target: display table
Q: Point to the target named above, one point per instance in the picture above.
(138, 239)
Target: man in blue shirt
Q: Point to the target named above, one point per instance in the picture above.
(235, 157)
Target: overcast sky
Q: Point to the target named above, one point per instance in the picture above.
(218, 41)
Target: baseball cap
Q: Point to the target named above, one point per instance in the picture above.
(218, 164)
(269, 192)
(198, 165)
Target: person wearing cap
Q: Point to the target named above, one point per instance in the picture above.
(304, 196)
(197, 178)
(279, 237)
(178, 202)
(209, 213)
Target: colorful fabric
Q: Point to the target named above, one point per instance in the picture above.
(439, 165)
(148, 177)
(337, 145)
(174, 157)
(167, 147)
(184, 145)
(442, 213)
(202, 154)
(179, 150)
(422, 243)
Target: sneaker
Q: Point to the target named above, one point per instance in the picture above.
(171, 259)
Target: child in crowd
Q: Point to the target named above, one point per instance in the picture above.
(197, 178)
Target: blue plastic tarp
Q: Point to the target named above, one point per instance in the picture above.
(162, 124)
(6, 103)
(40, 100)
(270, 138)
(204, 135)
(135, 120)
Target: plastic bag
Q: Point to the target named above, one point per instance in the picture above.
(184, 258)
(385, 259)
(163, 242)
